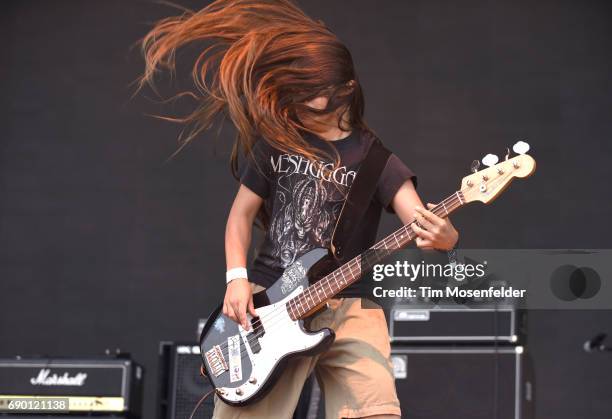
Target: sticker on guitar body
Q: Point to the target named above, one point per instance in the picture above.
(235, 360)
(292, 276)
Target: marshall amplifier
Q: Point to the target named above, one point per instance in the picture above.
(97, 385)
(463, 382)
(411, 325)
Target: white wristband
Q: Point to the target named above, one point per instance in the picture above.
(235, 273)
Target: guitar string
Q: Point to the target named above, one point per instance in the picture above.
(274, 315)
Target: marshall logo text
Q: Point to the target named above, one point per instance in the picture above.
(45, 378)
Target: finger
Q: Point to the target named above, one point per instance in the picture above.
(431, 206)
(433, 218)
(422, 233)
(423, 222)
(424, 244)
(252, 308)
(448, 222)
(235, 309)
(242, 315)
(224, 308)
(231, 314)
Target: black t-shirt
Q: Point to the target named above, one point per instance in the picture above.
(303, 201)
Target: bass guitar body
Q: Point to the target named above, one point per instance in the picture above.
(242, 365)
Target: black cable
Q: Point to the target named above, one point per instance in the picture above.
(198, 404)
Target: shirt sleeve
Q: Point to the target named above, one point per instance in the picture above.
(393, 176)
(255, 173)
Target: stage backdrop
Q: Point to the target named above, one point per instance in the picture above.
(102, 245)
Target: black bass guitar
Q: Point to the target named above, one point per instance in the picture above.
(243, 365)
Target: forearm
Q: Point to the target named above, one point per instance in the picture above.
(238, 295)
(237, 241)
(405, 201)
(239, 227)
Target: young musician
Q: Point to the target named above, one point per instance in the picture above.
(290, 88)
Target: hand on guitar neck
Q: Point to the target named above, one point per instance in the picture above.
(433, 232)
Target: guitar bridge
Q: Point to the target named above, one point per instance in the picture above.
(216, 361)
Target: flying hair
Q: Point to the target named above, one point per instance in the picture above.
(262, 61)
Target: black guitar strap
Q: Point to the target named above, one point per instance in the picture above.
(359, 196)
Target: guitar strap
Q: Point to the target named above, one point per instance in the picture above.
(359, 197)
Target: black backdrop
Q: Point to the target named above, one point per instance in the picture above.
(101, 245)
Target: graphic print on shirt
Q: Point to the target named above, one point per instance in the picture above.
(310, 195)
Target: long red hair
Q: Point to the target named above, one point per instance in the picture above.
(262, 61)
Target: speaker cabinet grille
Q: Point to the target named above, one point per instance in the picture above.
(455, 383)
(182, 383)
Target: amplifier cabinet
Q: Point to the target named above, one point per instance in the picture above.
(442, 382)
(100, 385)
(180, 384)
(409, 324)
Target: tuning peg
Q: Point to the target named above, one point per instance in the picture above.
(475, 166)
(521, 147)
(507, 154)
(490, 160)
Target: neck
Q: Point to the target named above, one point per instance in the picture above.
(316, 295)
(334, 134)
(328, 126)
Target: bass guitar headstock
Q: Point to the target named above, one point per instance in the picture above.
(487, 184)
